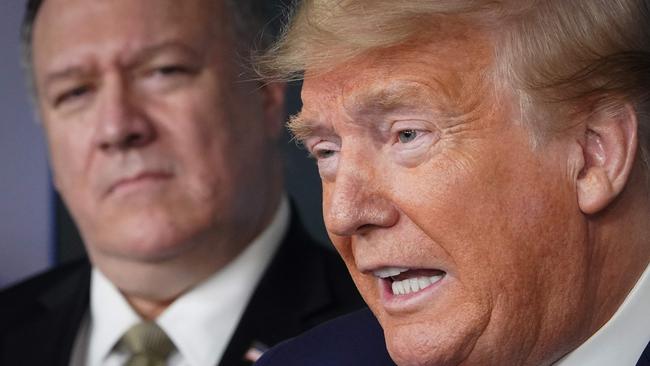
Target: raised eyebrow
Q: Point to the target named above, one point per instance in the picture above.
(139, 57)
(151, 51)
(301, 128)
(63, 74)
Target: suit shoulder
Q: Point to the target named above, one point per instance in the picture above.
(40, 317)
(353, 339)
(57, 280)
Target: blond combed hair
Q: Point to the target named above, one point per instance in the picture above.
(556, 55)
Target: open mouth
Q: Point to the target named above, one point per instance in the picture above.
(405, 281)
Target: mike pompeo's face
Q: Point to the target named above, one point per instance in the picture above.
(158, 147)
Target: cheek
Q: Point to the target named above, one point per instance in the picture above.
(69, 158)
(494, 220)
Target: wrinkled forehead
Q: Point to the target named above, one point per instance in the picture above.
(61, 12)
(63, 23)
(449, 65)
(78, 34)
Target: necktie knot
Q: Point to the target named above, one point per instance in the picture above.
(148, 345)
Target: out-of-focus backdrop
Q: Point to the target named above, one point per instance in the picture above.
(26, 232)
(35, 229)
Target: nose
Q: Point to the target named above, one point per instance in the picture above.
(121, 124)
(357, 201)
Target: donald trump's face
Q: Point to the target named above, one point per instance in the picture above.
(458, 231)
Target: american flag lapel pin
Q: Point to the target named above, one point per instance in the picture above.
(255, 351)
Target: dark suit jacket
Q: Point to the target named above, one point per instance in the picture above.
(351, 340)
(645, 357)
(304, 285)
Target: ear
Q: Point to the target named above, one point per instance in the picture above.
(273, 94)
(609, 149)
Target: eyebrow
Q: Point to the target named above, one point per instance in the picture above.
(65, 73)
(302, 128)
(170, 45)
(148, 52)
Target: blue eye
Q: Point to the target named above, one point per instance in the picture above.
(323, 154)
(171, 70)
(407, 136)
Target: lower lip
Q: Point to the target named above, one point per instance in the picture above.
(139, 182)
(409, 302)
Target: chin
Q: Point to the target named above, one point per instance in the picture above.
(421, 345)
(147, 238)
(438, 337)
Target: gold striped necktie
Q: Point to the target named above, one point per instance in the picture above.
(148, 345)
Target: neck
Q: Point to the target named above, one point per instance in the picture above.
(148, 309)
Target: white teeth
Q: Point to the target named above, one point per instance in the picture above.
(424, 282)
(398, 287)
(389, 271)
(416, 284)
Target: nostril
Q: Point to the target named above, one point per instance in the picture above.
(130, 140)
(365, 228)
(133, 139)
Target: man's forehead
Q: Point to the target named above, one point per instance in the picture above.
(66, 31)
(169, 8)
(438, 55)
(75, 17)
(381, 84)
(450, 39)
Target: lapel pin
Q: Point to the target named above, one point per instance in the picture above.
(255, 351)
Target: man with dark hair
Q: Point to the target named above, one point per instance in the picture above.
(165, 150)
(485, 177)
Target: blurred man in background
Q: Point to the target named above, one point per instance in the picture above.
(165, 150)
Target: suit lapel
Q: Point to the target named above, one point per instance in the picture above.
(66, 312)
(286, 301)
(51, 322)
(645, 357)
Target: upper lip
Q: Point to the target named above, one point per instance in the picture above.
(386, 272)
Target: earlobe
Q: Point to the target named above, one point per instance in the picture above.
(609, 149)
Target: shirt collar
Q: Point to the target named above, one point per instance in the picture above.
(110, 317)
(201, 321)
(623, 338)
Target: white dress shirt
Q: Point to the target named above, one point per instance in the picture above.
(623, 338)
(200, 322)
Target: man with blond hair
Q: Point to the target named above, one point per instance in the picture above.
(485, 178)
